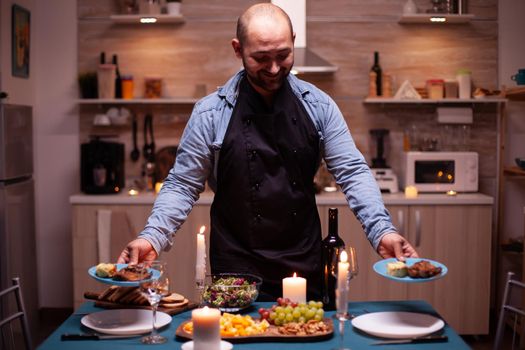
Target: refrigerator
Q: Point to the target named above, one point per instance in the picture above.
(17, 207)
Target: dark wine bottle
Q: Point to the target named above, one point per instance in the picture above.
(331, 246)
(376, 68)
(118, 79)
(102, 57)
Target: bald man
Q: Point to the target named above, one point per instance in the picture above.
(258, 141)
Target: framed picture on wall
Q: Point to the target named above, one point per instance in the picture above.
(20, 30)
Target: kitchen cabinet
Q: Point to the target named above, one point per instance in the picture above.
(85, 252)
(457, 235)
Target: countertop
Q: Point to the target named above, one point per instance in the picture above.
(335, 198)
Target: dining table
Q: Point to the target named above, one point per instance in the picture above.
(353, 338)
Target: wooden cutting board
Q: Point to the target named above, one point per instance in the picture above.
(111, 305)
(271, 335)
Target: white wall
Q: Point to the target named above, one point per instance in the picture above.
(56, 146)
(20, 90)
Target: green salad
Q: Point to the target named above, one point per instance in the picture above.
(230, 292)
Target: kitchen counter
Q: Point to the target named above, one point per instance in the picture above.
(335, 198)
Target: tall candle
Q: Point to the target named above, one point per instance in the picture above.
(411, 192)
(294, 288)
(206, 329)
(342, 284)
(200, 265)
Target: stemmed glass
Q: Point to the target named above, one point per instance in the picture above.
(154, 289)
(342, 294)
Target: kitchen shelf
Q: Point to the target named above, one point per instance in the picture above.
(515, 94)
(514, 171)
(435, 18)
(153, 19)
(138, 101)
(382, 100)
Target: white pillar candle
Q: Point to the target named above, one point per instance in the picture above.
(206, 329)
(342, 284)
(200, 265)
(294, 288)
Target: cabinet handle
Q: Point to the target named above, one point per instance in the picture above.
(401, 220)
(418, 228)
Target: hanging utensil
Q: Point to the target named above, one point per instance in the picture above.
(135, 153)
(149, 147)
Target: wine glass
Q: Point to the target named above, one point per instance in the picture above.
(154, 289)
(342, 292)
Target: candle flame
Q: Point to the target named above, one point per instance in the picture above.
(294, 274)
(343, 257)
(203, 228)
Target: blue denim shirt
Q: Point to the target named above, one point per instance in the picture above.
(199, 151)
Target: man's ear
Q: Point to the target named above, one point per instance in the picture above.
(293, 38)
(237, 47)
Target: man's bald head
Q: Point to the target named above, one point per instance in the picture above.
(264, 10)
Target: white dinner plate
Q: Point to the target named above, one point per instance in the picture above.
(380, 268)
(92, 271)
(124, 321)
(397, 324)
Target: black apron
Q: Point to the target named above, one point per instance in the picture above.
(264, 218)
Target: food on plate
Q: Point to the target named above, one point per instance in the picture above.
(236, 326)
(311, 327)
(480, 93)
(423, 269)
(104, 270)
(286, 311)
(132, 273)
(397, 269)
(230, 292)
(133, 296)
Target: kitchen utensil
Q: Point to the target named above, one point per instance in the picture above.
(149, 146)
(68, 336)
(427, 339)
(135, 153)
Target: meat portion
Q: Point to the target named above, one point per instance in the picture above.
(132, 273)
(423, 269)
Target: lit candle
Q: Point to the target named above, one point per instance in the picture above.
(342, 284)
(133, 192)
(158, 186)
(410, 192)
(200, 265)
(206, 329)
(294, 288)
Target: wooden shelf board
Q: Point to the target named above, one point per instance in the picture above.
(136, 19)
(174, 100)
(426, 18)
(515, 94)
(381, 100)
(513, 171)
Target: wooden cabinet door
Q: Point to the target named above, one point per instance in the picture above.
(460, 238)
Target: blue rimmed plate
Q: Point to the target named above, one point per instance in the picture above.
(380, 268)
(108, 280)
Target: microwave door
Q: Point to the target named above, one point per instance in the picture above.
(435, 172)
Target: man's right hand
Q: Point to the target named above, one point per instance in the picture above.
(138, 250)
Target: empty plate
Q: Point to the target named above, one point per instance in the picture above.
(398, 324)
(124, 321)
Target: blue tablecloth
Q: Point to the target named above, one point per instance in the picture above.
(353, 339)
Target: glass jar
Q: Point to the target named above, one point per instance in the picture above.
(435, 88)
(127, 87)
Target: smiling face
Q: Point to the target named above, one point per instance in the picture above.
(266, 52)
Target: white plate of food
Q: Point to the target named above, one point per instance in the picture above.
(383, 267)
(125, 321)
(398, 324)
(111, 279)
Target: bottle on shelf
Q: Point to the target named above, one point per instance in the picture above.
(118, 79)
(102, 57)
(331, 247)
(376, 68)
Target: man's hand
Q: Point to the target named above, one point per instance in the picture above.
(138, 250)
(393, 245)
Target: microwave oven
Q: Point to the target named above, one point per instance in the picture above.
(440, 171)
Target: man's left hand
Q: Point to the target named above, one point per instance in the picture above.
(393, 245)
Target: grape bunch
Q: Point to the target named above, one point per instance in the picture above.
(286, 311)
